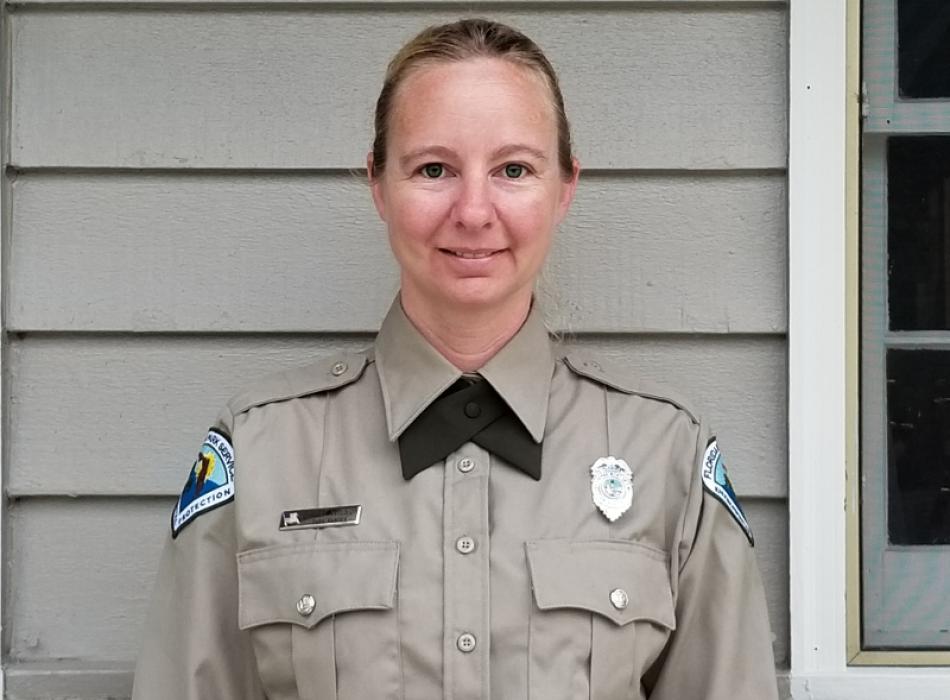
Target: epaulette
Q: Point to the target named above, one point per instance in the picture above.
(318, 377)
(622, 380)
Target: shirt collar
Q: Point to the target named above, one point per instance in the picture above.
(413, 374)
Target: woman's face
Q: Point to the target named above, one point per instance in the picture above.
(472, 191)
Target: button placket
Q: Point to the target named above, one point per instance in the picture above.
(466, 604)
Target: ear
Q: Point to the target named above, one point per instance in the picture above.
(568, 188)
(376, 187)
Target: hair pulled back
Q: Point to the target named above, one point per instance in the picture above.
(459, 41)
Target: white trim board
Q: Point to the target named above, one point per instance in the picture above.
(817, 345)
(873, 684)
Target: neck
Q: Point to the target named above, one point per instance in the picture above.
(467, 338)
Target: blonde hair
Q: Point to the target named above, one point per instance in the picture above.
(459, 41)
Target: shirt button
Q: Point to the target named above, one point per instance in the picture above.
(619, 598)
(465, 465)
(306, 604)
(338, 369)
(473, 410)
(466, 643)
(465, 545)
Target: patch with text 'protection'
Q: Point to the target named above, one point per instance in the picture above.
(716, 481)
(210, 482)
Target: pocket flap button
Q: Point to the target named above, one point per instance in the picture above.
(306, 604)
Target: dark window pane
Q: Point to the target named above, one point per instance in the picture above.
(918, 232)
(923, 48)
(918, 454)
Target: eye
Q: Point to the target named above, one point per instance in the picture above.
(433, 170)
(515, 170)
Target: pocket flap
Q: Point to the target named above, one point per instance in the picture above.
(325, 578)
(619, 580)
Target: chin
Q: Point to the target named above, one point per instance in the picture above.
(478, 296)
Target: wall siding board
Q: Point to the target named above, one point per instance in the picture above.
(68, 680)
(282, 88)
(382, 5)
(288, 252)
(183, 220)
(71, 607)
(105, 394)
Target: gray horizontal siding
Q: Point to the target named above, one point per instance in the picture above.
(79, 404)
(306, 252)
(468, 6)
(183, 219)
(692, 88)
(83, 570)
(68, 680)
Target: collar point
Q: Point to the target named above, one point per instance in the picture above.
(536, 432)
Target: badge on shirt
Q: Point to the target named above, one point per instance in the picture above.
(611, 485)
(210, 482)
(716, 481)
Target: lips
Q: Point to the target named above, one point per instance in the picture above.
(469, 254)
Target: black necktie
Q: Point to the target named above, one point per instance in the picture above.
(468, 411)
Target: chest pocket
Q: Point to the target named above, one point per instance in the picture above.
(323, 620)
(603, 612)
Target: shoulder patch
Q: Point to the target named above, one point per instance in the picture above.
(210, 482)
(716, 481)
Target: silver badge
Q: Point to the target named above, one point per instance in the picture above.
(611, 484)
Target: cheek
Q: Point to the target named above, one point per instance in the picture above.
(416, 218)
(531, 220)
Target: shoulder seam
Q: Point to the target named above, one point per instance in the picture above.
(315, 378)
(595, 371)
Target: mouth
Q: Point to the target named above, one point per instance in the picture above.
(480, 254)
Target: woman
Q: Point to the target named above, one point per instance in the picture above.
(459, 512)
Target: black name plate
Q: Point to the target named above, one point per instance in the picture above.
(333, 516)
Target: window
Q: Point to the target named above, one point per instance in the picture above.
(905, 330)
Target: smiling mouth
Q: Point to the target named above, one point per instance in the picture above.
(470, 254)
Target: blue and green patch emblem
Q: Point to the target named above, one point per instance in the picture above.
(210, 482)
(716, 481)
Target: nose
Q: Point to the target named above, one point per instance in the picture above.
(474, 208)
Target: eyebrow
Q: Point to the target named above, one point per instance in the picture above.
(448, 153)
(437, 151)
(512, 149)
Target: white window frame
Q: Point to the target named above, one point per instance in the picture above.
(823, 425)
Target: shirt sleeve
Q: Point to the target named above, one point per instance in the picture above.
(193, 649)
(722, 646)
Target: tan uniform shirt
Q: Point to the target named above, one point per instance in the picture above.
(471, 580)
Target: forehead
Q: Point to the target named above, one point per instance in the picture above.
(485, 98)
